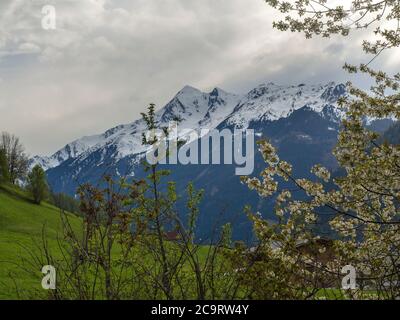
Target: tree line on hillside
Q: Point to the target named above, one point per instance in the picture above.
(392, 135)
(14, 169)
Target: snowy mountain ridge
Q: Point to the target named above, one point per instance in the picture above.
(200, 110)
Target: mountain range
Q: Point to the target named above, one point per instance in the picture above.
(302, 121)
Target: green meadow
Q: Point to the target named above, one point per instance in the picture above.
(22, 224)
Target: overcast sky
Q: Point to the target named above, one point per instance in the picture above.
(107, 59)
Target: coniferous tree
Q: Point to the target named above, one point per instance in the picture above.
(37, 184)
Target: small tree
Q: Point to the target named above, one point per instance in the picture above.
(17, 160)
(37, 184)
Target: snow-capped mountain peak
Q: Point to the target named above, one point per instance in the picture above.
(200, 110)
(195, 109)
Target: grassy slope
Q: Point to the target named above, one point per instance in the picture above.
(21, 225)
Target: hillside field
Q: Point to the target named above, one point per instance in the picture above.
(21, 228)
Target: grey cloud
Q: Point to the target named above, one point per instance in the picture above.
(109, 58)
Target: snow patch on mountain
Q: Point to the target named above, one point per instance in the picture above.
(271, 101)
(71, 150)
